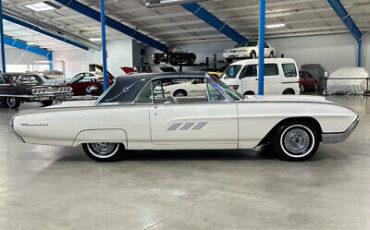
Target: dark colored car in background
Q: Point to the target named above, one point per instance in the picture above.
(16, 88)
(98, 88)
(175, 57)
(82, 81)
(307, 82)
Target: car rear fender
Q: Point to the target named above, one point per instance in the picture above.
(101, 135)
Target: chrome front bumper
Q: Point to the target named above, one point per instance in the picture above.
(328, 138)
(13, 130)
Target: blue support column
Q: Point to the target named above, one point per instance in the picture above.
(50, 58)
(2, 38)
(213, 21)
(261, 48)
(104, 44)
(349, 23)
(359, 54)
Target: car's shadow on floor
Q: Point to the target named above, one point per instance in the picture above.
(160, 155)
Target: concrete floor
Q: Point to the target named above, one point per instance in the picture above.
(45, 187)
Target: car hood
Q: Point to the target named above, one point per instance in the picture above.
(287, 98)
(70, 104)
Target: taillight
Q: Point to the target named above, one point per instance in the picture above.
(235, 87)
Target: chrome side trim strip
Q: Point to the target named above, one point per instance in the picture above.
(328, 138)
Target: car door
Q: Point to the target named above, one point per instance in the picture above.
(249, 79)
(201, 122)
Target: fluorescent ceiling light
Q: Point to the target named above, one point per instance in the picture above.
(275, 26)
(41, 6)
(95, 39)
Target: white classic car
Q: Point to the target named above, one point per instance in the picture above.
(248, 49)
(130, 116)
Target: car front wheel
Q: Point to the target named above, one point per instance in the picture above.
(103, 151)
(296, 141)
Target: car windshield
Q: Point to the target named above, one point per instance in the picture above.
(231, 71)
(232, 93)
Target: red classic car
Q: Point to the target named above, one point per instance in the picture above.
(175, 57)
(82, 81)
(307, 82)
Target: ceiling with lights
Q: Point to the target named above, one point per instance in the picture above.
(174, 25)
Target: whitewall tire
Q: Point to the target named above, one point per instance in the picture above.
(296, 141)
(103, 151)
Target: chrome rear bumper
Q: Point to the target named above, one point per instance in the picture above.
(328, 138)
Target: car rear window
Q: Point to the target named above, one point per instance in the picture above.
(289, 70)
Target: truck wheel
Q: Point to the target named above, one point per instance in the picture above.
(295, 141)
(103, 152)
(12, 102)
(289, 91)
(253, 55)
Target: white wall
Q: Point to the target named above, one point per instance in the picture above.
(331, 51)
(15, 56)
(119, 55)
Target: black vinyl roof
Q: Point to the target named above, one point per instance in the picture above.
(126, 88)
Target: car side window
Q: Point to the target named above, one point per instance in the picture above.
(180, 91)
(249, 71)
(29, 79)
(271, 70)
(213, 94)
(145, 96)
(289, 70)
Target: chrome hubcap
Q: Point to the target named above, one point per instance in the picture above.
(180, 94)
(297, 141)
(103, 149)
(11, 101)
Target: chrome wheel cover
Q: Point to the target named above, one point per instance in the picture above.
(180, 94)
(297, 141)
(11, 101)
(103, 149)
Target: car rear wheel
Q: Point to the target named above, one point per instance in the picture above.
(103, 151)
(296, 141)
(180, 93)
(12, 102)
(47, 103)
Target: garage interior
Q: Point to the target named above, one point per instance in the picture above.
(47, 187)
